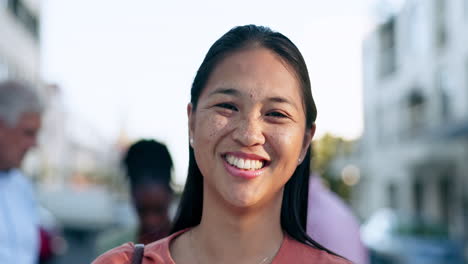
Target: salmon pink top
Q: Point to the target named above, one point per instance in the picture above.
(291, 251)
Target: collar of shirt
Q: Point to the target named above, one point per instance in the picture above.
(5, 175)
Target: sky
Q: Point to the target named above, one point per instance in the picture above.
(130, 64)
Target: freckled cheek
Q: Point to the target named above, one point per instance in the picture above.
(286, 143)
(211, 127)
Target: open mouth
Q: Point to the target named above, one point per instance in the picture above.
(245, 164)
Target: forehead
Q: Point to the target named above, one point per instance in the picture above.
(257, 72)
(151, 191)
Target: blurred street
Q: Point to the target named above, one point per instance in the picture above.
(80, 248)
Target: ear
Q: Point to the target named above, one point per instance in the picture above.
(191, 119)
(309, 134)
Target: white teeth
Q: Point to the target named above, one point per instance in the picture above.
(240, 164)
(230, 159)
(245, 164)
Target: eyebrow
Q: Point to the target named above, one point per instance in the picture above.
(228, 91)
(283, 100)
(234, 92)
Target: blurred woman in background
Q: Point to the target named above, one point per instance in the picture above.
(148, 166)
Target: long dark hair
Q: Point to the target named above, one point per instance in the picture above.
(294, 205)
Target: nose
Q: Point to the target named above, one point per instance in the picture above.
(249, 132)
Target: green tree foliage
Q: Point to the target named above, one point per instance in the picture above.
(324, 151)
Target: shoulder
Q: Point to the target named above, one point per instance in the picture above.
(123, 254)
(115, 237)
(19, 178)
(293, 251)
(118, 255)
(20, 181)
(22, 189)
(156, 252)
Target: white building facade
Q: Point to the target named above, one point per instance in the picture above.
(414, 149)
(66, 168)
(19, 40)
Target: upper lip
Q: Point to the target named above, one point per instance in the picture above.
(243, 155)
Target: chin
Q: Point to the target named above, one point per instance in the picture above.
(242, 200)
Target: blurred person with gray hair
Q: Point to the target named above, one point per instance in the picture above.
(20, 120)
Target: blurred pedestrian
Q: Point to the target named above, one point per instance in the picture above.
(20, 120)
(148, 167)
(332, 223)
(251, 119)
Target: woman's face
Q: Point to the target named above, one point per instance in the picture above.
(152, 201)
(248, 129)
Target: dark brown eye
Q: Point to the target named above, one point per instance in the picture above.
(277, 114)
(227, 106)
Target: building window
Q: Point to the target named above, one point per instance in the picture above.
(417, 31)
(380, 123)
(466, 74)
(25, 16)
(445, 188)
(387, 48)
(416, 105)
(465, 8)
(465, 213)
(445, 94)
(3, 70)
(392, 196)
(441, 34)
(418, 196)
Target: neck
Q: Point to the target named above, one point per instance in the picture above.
(148, 235)
(242, 235)
(4, 168)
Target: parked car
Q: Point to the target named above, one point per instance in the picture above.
(396, 239)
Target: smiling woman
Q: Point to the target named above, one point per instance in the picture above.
(251, 120)
(259, 120)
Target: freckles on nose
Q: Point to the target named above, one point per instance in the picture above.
(249, 132)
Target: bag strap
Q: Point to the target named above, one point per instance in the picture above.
(138, 253)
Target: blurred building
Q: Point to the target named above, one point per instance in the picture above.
(19, 40)
(20, 60)
(71, 172)
(20, 51)
(414, 151)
